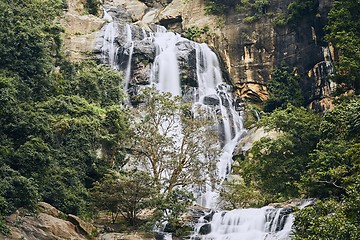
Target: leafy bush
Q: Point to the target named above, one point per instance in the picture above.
(219, 7)
(283, 89)
(194, 33)
(93, 6)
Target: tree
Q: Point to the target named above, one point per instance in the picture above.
(124, 193)
(236, 194)
(329, 219)
(344, 32)
(175, 147)
(169, 209)
(283, 89)
(16, 191)
(277, 165)
(335, 162)
(96, 83)
(29, 38)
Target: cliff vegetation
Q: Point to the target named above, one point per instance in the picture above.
(66, 132)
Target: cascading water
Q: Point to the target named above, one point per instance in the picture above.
(212, 86)
(109, 49)
(129, 46)
(165, 71)
(213, 95)
(267, 223)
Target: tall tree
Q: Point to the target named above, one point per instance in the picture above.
(177, 148)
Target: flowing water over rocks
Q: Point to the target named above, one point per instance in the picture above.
(185, 68)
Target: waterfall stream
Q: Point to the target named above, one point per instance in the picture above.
(214, 95)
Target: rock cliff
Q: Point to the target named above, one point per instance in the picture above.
(250, 49)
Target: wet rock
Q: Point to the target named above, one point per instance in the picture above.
(211, 100)
(209, 216)
(205, 229)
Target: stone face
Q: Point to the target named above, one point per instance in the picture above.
(81, 226)
(136, 9)
(250, 51)
(205, 229)
(48, 209)
(41, 227)
(80, 31)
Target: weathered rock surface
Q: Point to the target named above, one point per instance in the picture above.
(122, 236)
(80, 31)
(41, 227)
(50, 224)
(251, 51)
(253, 135)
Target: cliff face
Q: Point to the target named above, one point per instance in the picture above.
(249, 50)
(252, 50)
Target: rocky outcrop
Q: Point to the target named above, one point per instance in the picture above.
(80, 31)
(46, 225)
(251, 50)
(51, 224)
(254, 134)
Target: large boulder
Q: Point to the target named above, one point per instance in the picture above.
(41, 227)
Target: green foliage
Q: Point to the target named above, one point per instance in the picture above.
(60, 129)
(313, 156)
(276, 165)
(335, 163)
(3, 228)
(63, 188)
(29, 37)
(16, 191)
(253, 10)
(283, 89)
(297, 9)
(127, 194)
(94, 82)
(295, 12)
(236, 194)
(344, 33)
(170, 207)
(219, 7)
(93, 6)
(172, 160)
(329, 219)
(195, 33)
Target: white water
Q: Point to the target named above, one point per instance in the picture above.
(265, 223)
(165, 72)
(212, 85)
(240, 224)
(109, 48)
(129, 46)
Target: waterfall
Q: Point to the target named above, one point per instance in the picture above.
(246, 224)
(129, 46)
(166, 68)
(212, 89)
(213, 95)
(109, 49)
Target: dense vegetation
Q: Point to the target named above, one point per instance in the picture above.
(315, 155)
(255, 9)
(64, 133)
(54, 115)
